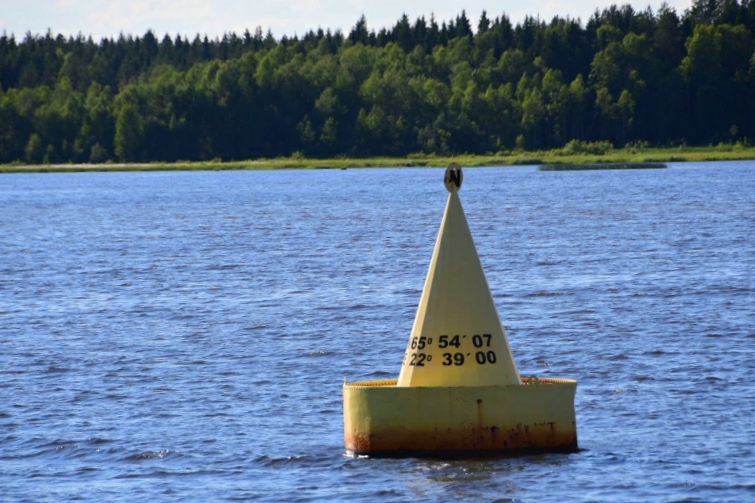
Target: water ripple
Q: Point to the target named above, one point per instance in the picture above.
(186, 335)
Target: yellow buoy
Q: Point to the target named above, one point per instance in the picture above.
(459, 391)
(457, 338)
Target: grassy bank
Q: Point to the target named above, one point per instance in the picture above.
(561, 156)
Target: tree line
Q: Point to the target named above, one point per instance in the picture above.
(624, 77)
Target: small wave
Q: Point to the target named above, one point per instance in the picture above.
(389, 493)
(546, 263)
(280, 461)
(713, 379)
(318, 353)
(618, 357)
(655, 352)
(67, 446)
(223, 267)
(53, 369)
(259, 326)
(160, 454)
(351, 455)
(643, 378)
(575, 312)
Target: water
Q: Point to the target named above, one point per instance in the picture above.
(185, 336)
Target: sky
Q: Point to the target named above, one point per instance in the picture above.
(109, 18)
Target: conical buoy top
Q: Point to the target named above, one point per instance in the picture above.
(457, 338)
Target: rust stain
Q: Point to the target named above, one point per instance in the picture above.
(539, 437)
(494, 432)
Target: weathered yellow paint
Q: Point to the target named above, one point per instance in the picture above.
(381, 418)
(459, 391)
(457, 338)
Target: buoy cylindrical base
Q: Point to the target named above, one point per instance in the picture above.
(381, 419)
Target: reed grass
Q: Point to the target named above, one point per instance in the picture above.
(553, 157)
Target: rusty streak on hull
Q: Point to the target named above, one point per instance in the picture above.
(521, 439)
(383, 420)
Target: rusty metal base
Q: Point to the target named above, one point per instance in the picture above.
(381, 419)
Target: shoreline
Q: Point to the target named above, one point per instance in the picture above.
(546, 158)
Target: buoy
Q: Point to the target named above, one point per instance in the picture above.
(459, 391)
(457, 338)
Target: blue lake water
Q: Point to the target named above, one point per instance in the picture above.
(185, 335)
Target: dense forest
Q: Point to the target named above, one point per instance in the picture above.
(624, 77)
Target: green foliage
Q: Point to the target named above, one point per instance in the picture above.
(34, 151)
(578, 147)
(636, 146)
(625, 78)
(129, 134)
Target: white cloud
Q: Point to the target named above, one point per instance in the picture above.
(109, 18)
(284, 17)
